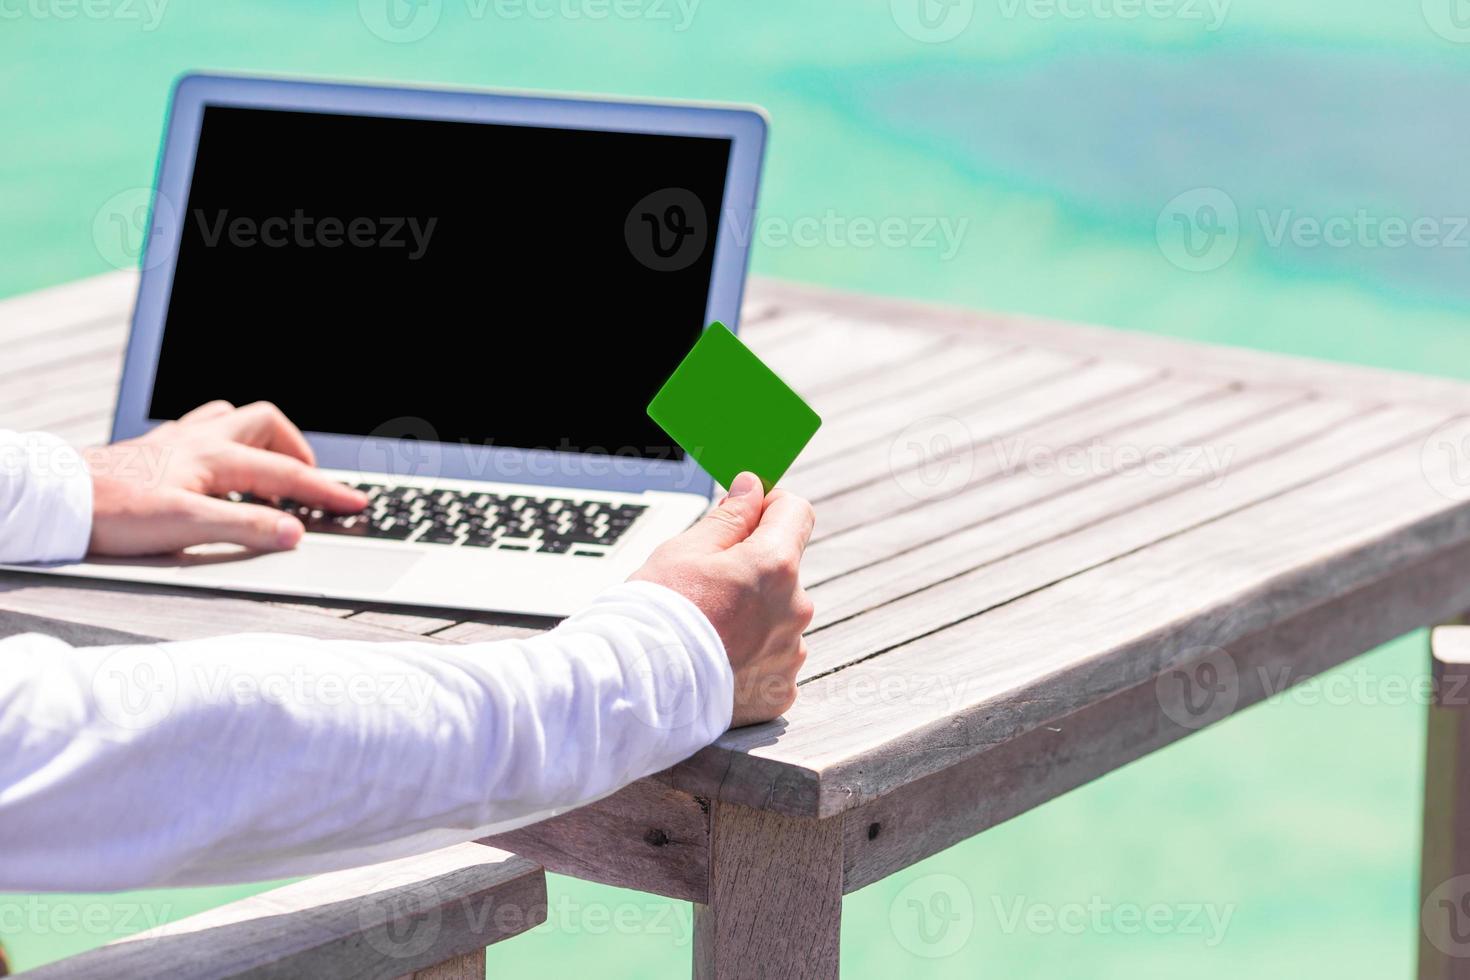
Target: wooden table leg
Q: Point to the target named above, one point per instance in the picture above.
(1444, 891)
(470, 966)
(775, 897)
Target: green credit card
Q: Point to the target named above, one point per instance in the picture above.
(731, 412)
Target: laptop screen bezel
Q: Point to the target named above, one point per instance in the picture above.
(744, 127)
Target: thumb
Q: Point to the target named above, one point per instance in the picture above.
(731, 520)
(208, 520)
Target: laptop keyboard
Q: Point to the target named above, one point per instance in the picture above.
(475, 519)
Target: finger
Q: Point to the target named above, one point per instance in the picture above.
(207, 411)
(786, 523)
(209, 520)
(267, 474)
(731, 520)
(173, 520)
(264, 426)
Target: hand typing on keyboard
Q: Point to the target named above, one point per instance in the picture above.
(160, 492)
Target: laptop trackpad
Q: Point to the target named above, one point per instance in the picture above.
(314, 568)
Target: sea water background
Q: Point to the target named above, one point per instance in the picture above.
(1067, 146)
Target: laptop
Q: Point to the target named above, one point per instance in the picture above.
(466, 300)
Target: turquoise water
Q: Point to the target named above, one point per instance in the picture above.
(1281, 843)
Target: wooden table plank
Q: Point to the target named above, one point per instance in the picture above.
(828, 349)
(991, 418)
(490, 632)
(1189, 356)
(928, 815)
(921, 707)
(85, 432)
(404, 622)
(904, 489)
(93, 611)
(98, 376)
(45, 312)
(382, 920)
(1070, 537)
(1206, 427)
(96, 340)
(1012, 515)
(315, 609)
(990, 381)
(941, 364)
(62, 408)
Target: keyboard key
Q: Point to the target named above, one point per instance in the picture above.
(474, 519)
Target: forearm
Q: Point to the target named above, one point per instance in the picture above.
(252, 757)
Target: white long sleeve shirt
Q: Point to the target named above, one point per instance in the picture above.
(259, 756)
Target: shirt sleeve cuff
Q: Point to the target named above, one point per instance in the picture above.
(45, 500)
(698, 639)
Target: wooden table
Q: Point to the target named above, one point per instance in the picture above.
(1042, 551)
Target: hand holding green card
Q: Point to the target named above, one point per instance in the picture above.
(731, 412)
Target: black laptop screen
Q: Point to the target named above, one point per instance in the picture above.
(499, 285)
